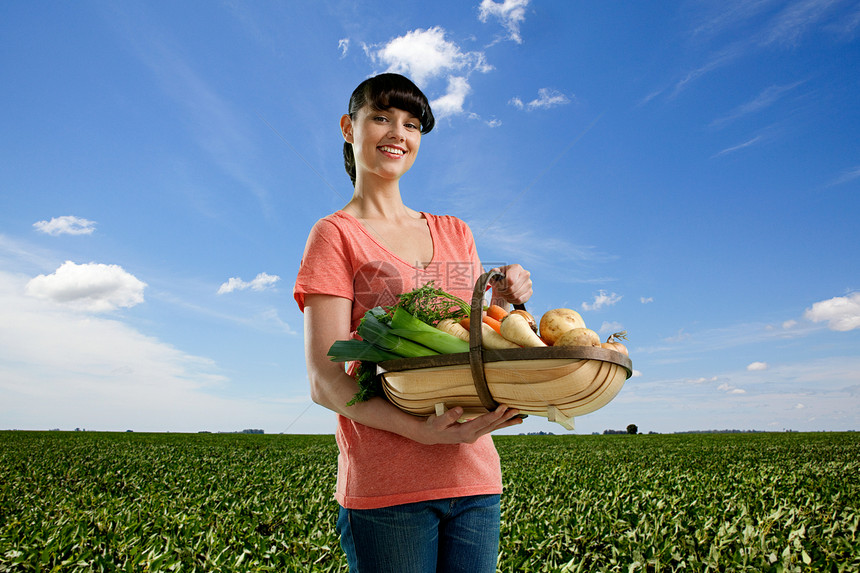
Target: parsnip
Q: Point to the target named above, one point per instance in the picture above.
(451, 326)
(516, 329)
(494, 340)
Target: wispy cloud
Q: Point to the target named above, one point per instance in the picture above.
(846, 176)
(66, 225)
(511, 14)
(602, 299)
(726, 387)
(219, 129)
(259, 283)
(762, 101)
(796, 19)
(547, 98)
(748, 143)
(534, 247)
(714, 62)
(760, 25)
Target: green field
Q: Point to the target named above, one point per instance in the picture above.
(86, 501)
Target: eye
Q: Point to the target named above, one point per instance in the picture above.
(380, 118)
(410, 125)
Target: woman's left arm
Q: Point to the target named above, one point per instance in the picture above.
(515, 288)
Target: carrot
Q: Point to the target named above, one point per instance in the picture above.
(496, 312)
(464, 322)
(495, 324)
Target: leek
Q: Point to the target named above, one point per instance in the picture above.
(345, 350)
(380, 334)
(407, 326)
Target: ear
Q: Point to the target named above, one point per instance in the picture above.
(346, 128)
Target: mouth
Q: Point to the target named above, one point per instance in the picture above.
(391, 150)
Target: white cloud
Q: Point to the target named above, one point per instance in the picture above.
(702, 380)
(261, 282)
(610, 327)
(547, 98)
(765, 99)
(757, 366)
(842, 313)
(728, 388)
(426, 54)
(62, 369)
(738, 147)
(93, 287)
(846, 176)
(602, 299)
(343, 46)
(66, 225)
(646, 300)
(789, 324)
(511, 13)
(452, 102)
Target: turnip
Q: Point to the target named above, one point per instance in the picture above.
(614, 342)
(557, 321)
(578, 337)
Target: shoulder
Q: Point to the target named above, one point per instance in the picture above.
(448, 222)
(336, 224)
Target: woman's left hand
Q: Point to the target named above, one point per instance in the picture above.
(516, 287)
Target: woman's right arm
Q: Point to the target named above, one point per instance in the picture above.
(327, 319)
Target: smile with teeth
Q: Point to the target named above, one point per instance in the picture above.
(391, 150)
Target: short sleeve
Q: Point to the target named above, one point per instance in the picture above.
(326, 266)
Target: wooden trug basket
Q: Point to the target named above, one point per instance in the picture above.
(558, 383)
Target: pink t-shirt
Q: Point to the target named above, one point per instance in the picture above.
(377, 468)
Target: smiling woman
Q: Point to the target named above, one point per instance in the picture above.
(378, 242)
(378, 101)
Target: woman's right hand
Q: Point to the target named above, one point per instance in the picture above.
(445, 429)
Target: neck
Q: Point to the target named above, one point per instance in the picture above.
(377, 201)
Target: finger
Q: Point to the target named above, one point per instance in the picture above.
(510, 417)
(486, 422)
(452, 415)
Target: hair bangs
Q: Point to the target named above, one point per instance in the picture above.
(393, 90)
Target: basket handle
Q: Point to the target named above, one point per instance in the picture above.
(476, 349)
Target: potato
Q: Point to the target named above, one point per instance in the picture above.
(578, 337)
(557, 321)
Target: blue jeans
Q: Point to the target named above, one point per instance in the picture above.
(445, 535)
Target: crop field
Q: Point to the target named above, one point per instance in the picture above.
(87, 501)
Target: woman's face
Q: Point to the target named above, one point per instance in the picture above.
(385, 143)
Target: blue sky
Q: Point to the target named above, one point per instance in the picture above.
(686, 171)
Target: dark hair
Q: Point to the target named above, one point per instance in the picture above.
(381, 93)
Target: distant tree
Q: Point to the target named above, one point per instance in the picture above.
(632, 429)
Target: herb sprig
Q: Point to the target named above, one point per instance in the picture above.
(430, 304)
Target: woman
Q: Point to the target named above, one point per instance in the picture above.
(416, 494)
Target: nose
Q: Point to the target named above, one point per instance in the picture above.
(396, 131)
